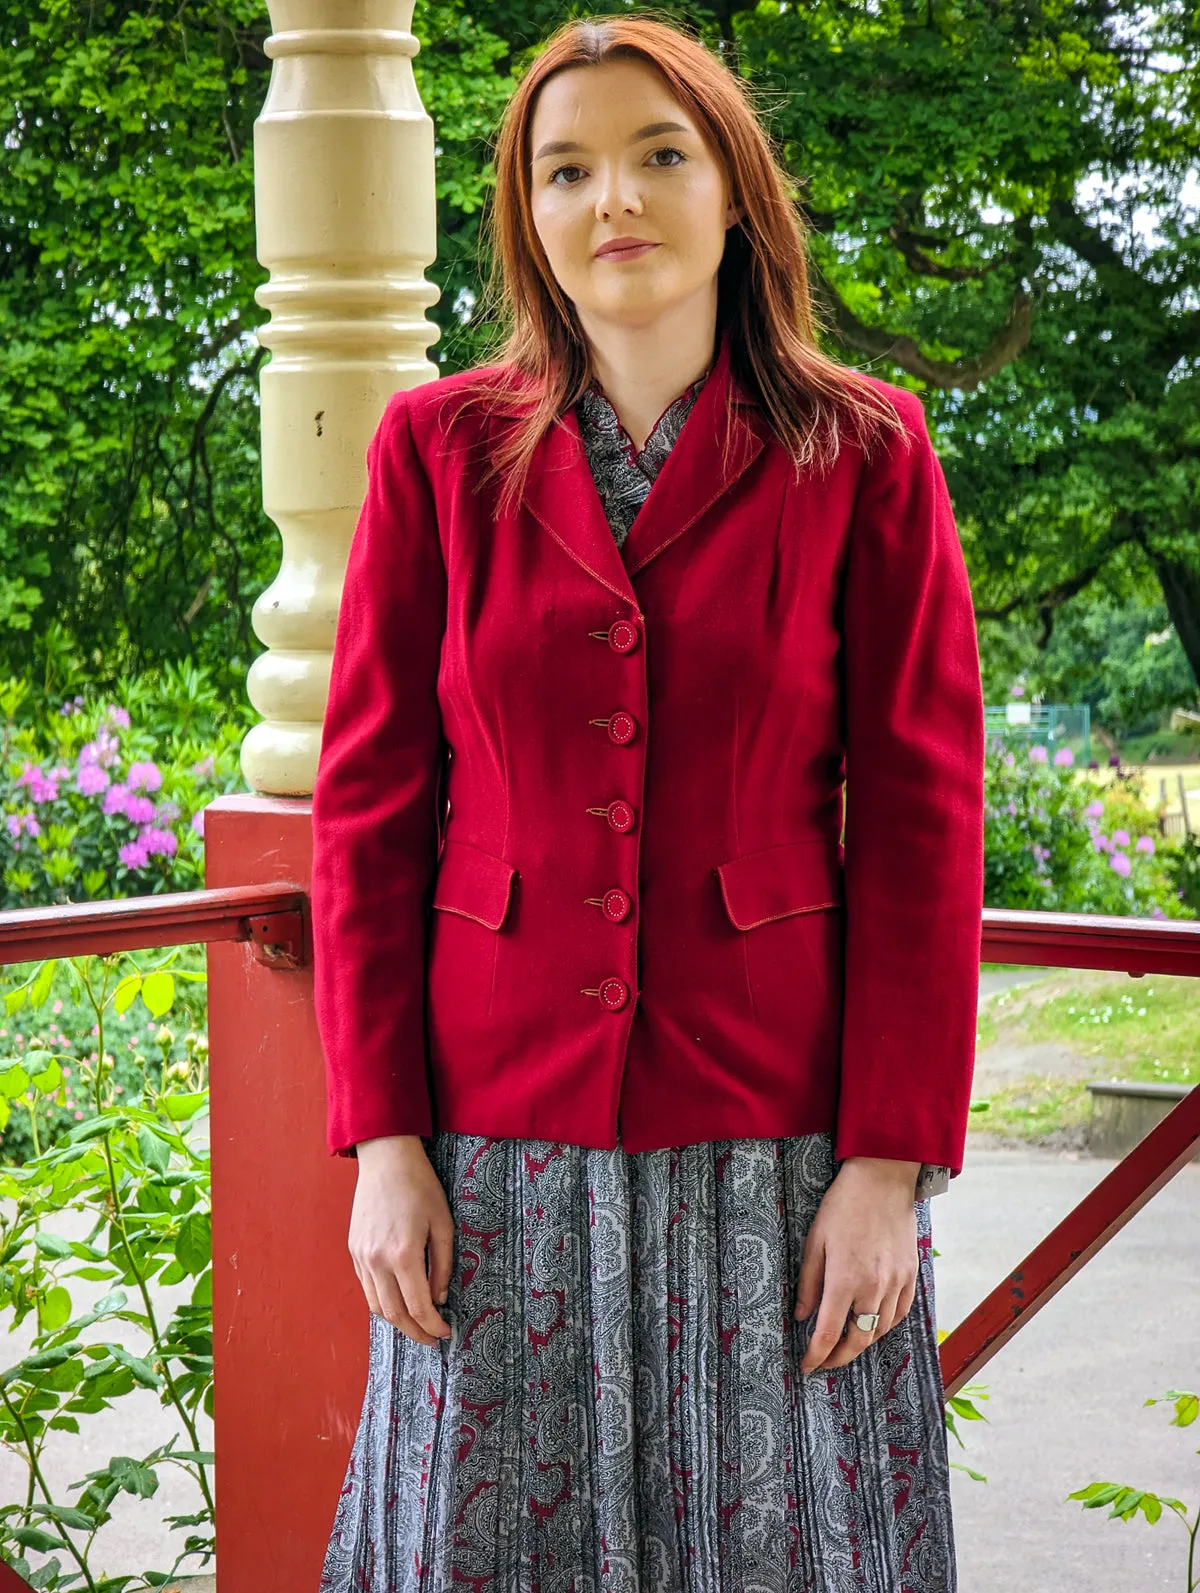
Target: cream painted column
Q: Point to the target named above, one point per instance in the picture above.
(346, 217)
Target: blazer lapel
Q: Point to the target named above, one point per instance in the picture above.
(561, 494)
(701, 467)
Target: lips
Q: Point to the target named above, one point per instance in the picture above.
(624, 249)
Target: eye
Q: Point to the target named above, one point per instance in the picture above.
(667, 149)
(554, 175)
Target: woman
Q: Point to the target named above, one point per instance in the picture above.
(648, 1063)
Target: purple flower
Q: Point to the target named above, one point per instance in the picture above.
(117, 715)
(1011, 809)
(139, 809)
(1064, 756)
(198, 821)
(115, 799)
(1009, 761)
(12, 823)
(1121, 837)
(1016, 691)
(1101, 842)
(167, 812)
(204, 767)
(1038, 753)
(134, 854)
(32, 827)
(1143, 844)
(1120, 863)
(159, 842)
(91, 780)
(143, 777)
(1094, 810)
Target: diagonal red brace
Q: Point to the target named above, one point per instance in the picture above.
(1099, 1215)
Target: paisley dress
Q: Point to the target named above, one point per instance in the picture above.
(619, 1407)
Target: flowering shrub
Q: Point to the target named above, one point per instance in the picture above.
(1059, 842)
(94, 806)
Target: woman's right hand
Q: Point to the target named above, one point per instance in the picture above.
(399, 1207)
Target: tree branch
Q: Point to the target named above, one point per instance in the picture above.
(902, 350)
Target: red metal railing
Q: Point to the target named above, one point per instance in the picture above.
(271, 919)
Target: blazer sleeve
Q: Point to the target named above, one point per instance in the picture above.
(914, 742)
(375, 803)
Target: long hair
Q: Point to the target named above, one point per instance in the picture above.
(763, 295)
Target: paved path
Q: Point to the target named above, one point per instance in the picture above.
(1065, 1407)
(1066, 1394)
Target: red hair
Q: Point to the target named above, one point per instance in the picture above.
(763, 296)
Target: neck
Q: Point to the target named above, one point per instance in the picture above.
(643, 369)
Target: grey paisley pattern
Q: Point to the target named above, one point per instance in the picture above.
(623, 476)
(619, 1407)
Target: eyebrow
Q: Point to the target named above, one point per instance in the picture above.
(652, 130)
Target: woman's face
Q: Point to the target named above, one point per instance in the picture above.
(613, 155)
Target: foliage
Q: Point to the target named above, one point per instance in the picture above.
(1056, 841)
(1037, 289)
(1127, 1502)
(132, 1164)
(79, 820)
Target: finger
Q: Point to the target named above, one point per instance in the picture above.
(414, 1286)
(368, 1288)
(888, 1313)
(812, 1273)
(907, 1296)
(441, 1259)
(857, 1339)
(388, 1288)
(831, 1319)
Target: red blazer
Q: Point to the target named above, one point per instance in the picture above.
(578, 867)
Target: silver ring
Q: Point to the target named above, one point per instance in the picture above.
(867, 1322)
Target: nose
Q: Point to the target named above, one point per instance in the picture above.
(618, 193)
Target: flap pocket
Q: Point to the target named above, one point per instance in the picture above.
(473, 883)
(798, 877)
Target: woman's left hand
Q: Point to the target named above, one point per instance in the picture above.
(860, 1255)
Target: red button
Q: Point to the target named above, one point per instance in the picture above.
(622, 728)
(622, 636)
(617, 906)
(621, 816)
(614, 993)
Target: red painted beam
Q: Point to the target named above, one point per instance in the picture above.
(10, 1582)
(1088, 940)
(81, 929)
(1099, 1215)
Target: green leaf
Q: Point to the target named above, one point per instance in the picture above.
(126, 991)
(1097, 1494)
(51, 1245)
(31, 1538)
(56, 1308)
(133, 1476)
(202, 1293)
(193, 1247)
(158, 993)
(179, 1107)
(14, 1081)
(68, 1515)
(141, 1369)
(49, 1080)
(154, 1152)
(40, 988)
(1151, 1507)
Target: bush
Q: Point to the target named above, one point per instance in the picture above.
(1058, 841)
(98, 802)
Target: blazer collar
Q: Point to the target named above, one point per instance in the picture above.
(562, 497)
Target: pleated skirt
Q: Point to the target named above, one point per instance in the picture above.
(620, 1409)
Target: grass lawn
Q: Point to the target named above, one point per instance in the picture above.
(1040, 1044)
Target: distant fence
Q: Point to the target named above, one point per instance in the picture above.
(1052, 724)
